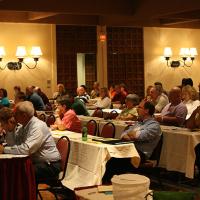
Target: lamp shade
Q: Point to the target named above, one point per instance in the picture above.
(184, 52)
(36, 52)
(21, 52)
(167, 52)
(193, 52)
(2, 52)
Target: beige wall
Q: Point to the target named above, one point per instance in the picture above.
(17, 34)
(155, 39)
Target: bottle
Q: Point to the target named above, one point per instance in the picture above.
(84, 133)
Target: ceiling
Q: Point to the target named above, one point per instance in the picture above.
(133, 13)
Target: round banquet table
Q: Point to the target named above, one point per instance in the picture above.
(17, 178)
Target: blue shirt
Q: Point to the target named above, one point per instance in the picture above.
(34, 139)
(148, 135)
(4, 102)
(37, 101)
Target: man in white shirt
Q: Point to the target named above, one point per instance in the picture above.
(32, 138)
(159, 99)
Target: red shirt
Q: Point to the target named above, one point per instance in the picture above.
(71, 121)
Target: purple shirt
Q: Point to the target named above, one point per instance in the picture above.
(179, 111)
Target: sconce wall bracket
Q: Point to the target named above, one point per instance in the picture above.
(14, 65)
(175, 63)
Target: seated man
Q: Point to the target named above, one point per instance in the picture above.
(130, 112)
(158, 98)
(34, 98)
(145, 134)
(175, 112)
(81, 92)
(79, 106)
(31, 138)
(67, 118)
(119, 97)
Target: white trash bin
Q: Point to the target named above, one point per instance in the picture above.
(130, 187)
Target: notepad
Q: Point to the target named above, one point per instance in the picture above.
(111, 141)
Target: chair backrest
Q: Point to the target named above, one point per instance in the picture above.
(63, 146)
(92, 127)
(42, 117)
(108, 130)
(127, 127)
(98, 113)
(50, 120)
(157, 151)
(113, 114)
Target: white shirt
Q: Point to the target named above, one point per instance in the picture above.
(191, 106)
(34, 139)
(103, 103)
(161, 102)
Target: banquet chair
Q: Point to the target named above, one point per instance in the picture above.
(113, 114)
(151, 166)
(42, 117)
(63, 146)
(108, 130)
(153, 161)
(127, 127)
(98, 113)
(50, 120)
(92, 127)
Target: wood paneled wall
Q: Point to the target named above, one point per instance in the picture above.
(71, 40)
(126, 58)
(124, 50)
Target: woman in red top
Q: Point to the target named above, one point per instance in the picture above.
(67, 118)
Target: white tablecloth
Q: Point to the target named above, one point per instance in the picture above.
(87, 160)
(178, 149)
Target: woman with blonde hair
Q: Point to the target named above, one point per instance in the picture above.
(190, 99)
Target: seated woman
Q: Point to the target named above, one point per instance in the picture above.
(95, 92)
(67, 118)
(190, 99)
(130, 112)
(104, 101)
(4, 101)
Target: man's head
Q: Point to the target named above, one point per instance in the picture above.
(60, 88)
(117, 89)
(29, 90)
(155, 91)
(80, 91)
(19, 97)
(24, 111)
(145, 109)
(7, 119)
(175, 96)
(132, 100)
(96, 85)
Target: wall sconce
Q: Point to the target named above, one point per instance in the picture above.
(20, 54)
(187, 55)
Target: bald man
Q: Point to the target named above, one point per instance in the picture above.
(175, 112)
(81, 92)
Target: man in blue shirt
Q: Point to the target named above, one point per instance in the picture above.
(145, 134)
